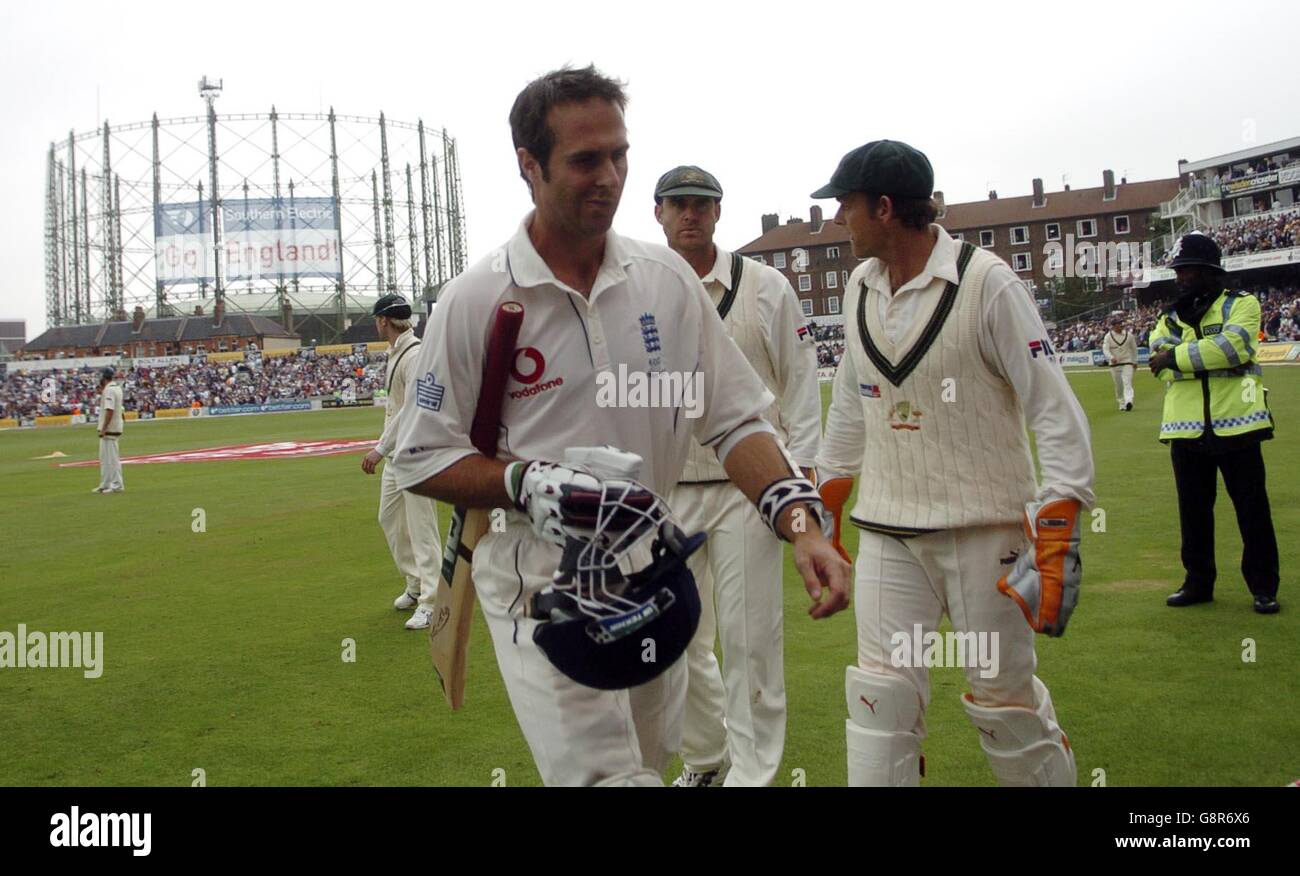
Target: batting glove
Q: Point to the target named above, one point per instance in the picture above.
(564, 501)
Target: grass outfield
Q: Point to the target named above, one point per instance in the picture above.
(223, 649)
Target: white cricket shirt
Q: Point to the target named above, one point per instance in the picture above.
(1013, 344)
(647, 313)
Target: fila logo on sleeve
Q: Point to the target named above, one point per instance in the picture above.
(1041, 346)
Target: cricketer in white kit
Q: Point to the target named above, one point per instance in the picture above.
(111, 421)
(593, 301)
(945, 360)
(734, 730)
(410, 522)
(1121, 351)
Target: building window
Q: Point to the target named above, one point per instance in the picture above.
(1055, 260)
(959, 236)
(833, 304)
(845, 276)
(806, 304)
(832, 252)
(832, 281)
(1020, 235)
(1053, 230)
(805, 283)
(760, 259)
(1121, 225)
(778, 259)
(1020, 261)
(1087, 227)
(986, 238)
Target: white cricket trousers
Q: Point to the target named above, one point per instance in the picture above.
(110, 464)
(579, 736)
(739, 573)
(900, 583)
(1123, 377)
(410, 525)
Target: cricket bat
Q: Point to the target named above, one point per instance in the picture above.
(453, 607)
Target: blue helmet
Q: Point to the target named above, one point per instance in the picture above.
(609, 628)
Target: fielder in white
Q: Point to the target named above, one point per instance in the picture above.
(1121, 351)
(602, 316)
(945, 360)
(734, 731)
(410, 522)
(111, 420)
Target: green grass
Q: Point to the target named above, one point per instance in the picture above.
(223, 648)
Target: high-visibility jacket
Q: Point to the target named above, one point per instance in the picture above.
(1215, 383)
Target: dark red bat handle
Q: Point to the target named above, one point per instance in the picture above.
(496, 368)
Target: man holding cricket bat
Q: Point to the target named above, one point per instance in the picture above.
(603, 316)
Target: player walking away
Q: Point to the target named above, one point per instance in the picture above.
(596, 306)
(1215, 417)
(739, 570)
(1121, 352)
(410, 522)
(945, 359)
(110, 430)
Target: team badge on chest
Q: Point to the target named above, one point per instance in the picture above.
(904, 416)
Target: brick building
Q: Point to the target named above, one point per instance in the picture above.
(1042, 236)
(169, 336)
(814, 255)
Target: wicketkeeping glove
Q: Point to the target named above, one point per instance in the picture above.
(1044, 581)
(835, 492)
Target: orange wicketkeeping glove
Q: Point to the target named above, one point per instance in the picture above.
(1044, 581)
(834, 493)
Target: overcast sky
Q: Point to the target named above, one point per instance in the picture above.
(767, 96)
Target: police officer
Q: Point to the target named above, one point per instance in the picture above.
(1215, 416)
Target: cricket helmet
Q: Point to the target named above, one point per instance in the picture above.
(607, 624)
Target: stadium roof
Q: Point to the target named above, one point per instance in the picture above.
(1240, 155)
(184, 328)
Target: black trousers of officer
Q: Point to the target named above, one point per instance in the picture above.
(1196, 476)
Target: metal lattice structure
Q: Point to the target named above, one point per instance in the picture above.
(395, 188)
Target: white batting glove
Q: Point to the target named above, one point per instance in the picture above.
(564, 501)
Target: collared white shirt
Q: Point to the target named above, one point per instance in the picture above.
(793, 355)
(647, 312)
(1012, 327)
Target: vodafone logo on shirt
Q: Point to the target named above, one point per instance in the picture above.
(528, 368)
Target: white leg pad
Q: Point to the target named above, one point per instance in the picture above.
(883, 749)
(1025, 747)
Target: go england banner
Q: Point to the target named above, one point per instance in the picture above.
(269, 238)
(260, 238)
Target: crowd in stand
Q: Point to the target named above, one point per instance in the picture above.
(144, 389)
(1258, 233)
(309, 375)
(830, 344)
(1279, 321)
